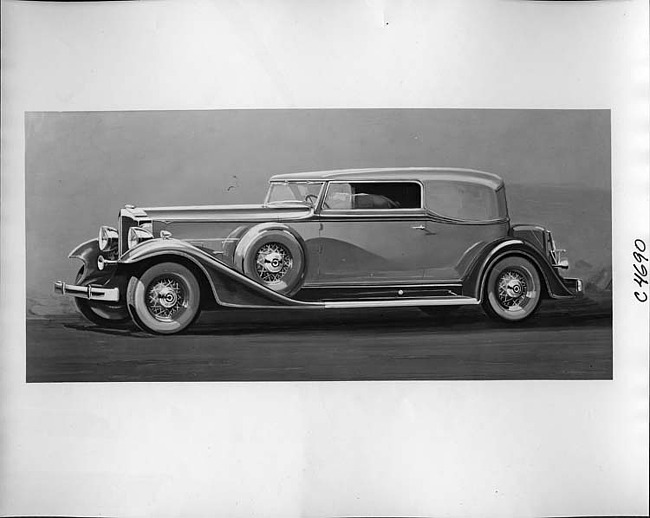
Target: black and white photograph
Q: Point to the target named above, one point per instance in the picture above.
(324, 259)
(376, 246)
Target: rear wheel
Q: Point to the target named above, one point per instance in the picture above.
(164, 299)
(513, 290)
(103, 314)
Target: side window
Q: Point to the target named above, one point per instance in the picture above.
(339, 197)
(373, 196)
(463, 201)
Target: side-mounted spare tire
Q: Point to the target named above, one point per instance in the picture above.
(272, 256)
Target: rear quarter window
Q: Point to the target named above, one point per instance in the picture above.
(465, 201)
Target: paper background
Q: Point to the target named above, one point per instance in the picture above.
(406, 448)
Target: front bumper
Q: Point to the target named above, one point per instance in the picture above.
(575, 286)
(87, 292)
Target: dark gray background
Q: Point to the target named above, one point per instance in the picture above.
(81, 167)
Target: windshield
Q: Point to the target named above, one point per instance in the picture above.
(306, 192)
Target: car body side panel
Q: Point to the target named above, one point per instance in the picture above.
(371, 247)
(416, 247)
(453, 247)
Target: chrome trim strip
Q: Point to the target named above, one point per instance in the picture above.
(256, 218)
(455, 301)
(380, 286)
(201, 239)
(88, 292)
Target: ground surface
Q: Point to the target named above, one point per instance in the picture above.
(568, 340)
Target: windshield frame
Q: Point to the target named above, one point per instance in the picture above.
(319, 196)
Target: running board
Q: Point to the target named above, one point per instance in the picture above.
(329, 294)
(397, 303)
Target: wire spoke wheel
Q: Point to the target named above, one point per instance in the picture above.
(272, 262)
(273, 257)
(165, 297)
(513, 290)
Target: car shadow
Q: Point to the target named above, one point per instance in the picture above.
(224, 322)
(92, 328)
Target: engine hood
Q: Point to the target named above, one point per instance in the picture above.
(273, 212)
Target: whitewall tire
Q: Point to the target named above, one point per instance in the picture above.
(513, 290)
(164, 299)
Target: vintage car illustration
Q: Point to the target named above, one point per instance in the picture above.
(432, 238)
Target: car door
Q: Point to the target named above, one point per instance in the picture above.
(372, 233)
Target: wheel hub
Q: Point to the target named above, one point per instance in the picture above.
(514, 288)
(273, 262)
(165, 297)
(511, 289)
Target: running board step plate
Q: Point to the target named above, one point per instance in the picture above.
(401, 303)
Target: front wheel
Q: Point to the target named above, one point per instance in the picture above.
(513, 290)
(165, 299)
(103, 314)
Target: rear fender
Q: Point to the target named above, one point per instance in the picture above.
(474, 284)
(229, 287)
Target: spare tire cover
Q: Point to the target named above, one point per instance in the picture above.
(272, 257)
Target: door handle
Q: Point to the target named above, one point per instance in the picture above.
(424, 229)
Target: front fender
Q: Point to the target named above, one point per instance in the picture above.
(229, 287)
(475, 283)
(87, 253)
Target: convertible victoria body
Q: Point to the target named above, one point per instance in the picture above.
(432, 238)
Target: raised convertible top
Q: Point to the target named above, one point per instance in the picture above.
(398, 174)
